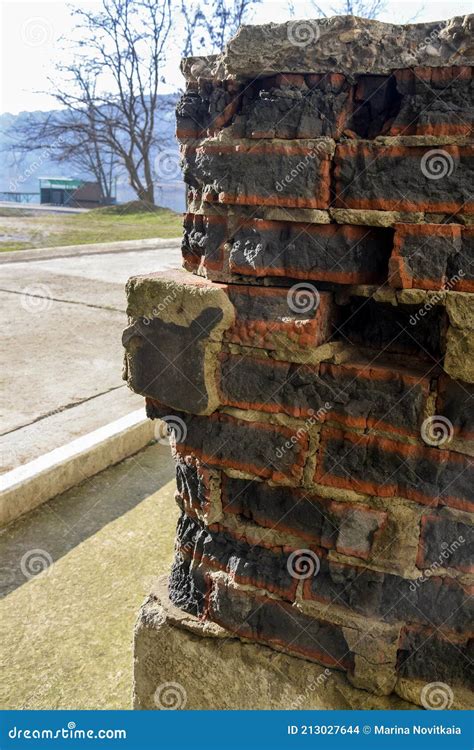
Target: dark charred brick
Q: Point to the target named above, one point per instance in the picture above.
(435, 601)
(359, 395)
(386, 468)
(250, 565)
(192, 484)
(347, 527)
(397, 178)
(221, 441)
(323, 252)
(376, 104)
(202, 241)
(398, 329)
(275, 623)
(446, 543)
(285, 107)
(290, 174)
(187, 585)
(205, 107)
(426, 256)
(456, 403)
(425, 655)
(434, 101)
(159, 356)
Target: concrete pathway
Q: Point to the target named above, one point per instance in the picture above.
(74, 573)
(62, 320)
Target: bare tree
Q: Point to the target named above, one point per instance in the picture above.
(209, 24)
(70, 138)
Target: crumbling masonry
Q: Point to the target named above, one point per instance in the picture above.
(315, 365)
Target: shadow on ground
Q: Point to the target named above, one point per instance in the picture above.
(74, 573)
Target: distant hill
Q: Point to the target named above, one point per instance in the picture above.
(170, 192)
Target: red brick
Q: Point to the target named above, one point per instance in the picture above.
(445, 542)
(221, 441)
(349, 528)
(357, 394)
(265, 320)
(278, 624)
(422, 255)
(390, 178)
(386, 468)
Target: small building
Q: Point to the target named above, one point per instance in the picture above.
(65, 191)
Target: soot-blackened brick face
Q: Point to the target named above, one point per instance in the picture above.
(314, 360)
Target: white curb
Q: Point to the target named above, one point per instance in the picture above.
(30, 485)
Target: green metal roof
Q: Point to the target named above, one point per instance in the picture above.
(65, 183)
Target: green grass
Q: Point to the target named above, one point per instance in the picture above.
(22, 229)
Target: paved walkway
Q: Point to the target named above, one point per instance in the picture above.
(62, 320)
(75, 572)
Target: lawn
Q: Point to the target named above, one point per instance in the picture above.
(21, 229)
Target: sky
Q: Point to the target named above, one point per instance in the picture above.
(31, 33)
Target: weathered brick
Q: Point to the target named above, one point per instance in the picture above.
(205, 107)
(357, 394)
(390, 177)
(399, 329)
(295, 106)
(188, 585)
(268, 318)
(203, 241)
(161, 341)
(455, 402)
(192, 484)
(386, 468)
(437, 601)
(445, 542)
(434, 101)
(376, 102)
(280, 625)
(322, 252)
(249, 565)
(348, 528)
(428, 256)
(286, 173)
(425, 654)
(222, 441)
